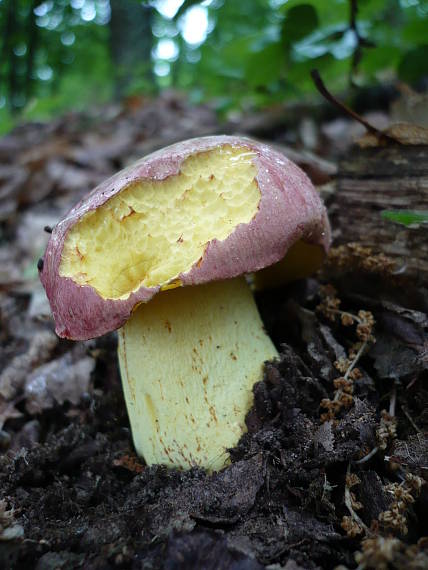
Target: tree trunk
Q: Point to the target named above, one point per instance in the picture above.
(8, 56)
(32, 35)
(131, 42)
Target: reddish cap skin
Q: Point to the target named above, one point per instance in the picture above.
(289, 209)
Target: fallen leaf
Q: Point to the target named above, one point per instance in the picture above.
(63, 379)
(39, 350)
(413, 452)
(403, 133)
(324, 436)
(8, 412)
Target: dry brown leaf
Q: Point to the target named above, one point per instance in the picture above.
(403, 133)
(8, 411)
(13, 376)
(63, 379)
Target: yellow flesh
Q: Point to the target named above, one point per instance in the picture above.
(152, 231)
(188, 361)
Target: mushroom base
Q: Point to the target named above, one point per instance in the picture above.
(189, 360)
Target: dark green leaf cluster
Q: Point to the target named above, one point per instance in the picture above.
(58, 54)
(265, 54)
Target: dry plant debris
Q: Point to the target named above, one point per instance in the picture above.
(352, 525)
(302, 491)
(382, 553)
(354, 256)
(364, 320)
(9, 529)
(404, 494)
(387, 429)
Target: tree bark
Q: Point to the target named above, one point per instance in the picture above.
(385, 178)
(7, 54)
(32, 35)
(131, 42)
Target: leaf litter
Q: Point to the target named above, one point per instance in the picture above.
(332, 470)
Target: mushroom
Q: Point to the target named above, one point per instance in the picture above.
(160, 251)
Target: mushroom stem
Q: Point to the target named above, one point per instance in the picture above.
(189, 360)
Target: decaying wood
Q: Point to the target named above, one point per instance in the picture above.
(384, 178)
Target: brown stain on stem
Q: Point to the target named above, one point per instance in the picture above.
(212, 413)
(151, 411)
(162, 395)
(129, 380)
(166, 449)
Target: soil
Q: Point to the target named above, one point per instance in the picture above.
(331, 472)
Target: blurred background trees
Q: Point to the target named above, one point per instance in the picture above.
(57, 55)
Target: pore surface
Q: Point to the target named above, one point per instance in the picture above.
(152, 231)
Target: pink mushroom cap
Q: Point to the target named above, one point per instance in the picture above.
(290, 209)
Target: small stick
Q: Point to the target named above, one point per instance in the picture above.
(339, 312)
(368, 456)
(348, 503)
(361, 41)
(409, 417)
(392, 406)
(351, 367)
(393, 402)
(319, 84)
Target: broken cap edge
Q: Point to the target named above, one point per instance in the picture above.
(289, 209)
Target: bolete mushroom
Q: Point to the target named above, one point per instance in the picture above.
(160, 252)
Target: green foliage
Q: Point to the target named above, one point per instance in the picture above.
(58, 54)
(262, 53)
(265, 65)
(405, 217)
(79, 86)
(300, 21)
(414, 63)
(6, 121)
(53, 57)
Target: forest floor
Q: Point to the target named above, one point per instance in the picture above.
(332, 470)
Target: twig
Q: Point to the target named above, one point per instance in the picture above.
(412, 382)
(319, 84)
(348, 503)
(409, 417)
(392, 406)
(361, 41)
(351, 367)
(353, 317)
(393, 401)
(356, 359)
(368, 456)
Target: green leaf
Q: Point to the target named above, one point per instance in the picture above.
(405, 217)
(415, 31)
(299, 22)
(265, 66)
(380, 58)
(329, 12)
(414, 64)
(334, 72)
